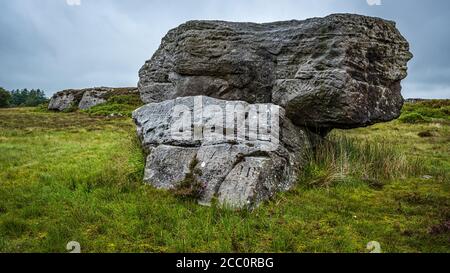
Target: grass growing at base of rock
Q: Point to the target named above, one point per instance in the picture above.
(412, 118)
(74, 177)
(343, 159)
(42, 107)
(190, 188)
(72, 108)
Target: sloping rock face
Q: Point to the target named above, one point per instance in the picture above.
(92, 98)
(86, 98)
(65, 99)
(341, 71)
(218, 142)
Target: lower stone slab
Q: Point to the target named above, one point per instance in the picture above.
(239, 173)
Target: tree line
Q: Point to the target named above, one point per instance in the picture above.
(21, 98)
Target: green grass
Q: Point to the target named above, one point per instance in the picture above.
(413, 118)
(75, 177)
(111, 109)
(119, 105)
(426, 111)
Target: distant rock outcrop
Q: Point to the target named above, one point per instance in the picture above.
(66, 99)
(86, 98)
(341, 71)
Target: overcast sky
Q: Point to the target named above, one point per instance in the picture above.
(60, 44)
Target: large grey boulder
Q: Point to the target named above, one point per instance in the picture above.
(66, 99)
(341, 71)
(241, 153)
(86, 98)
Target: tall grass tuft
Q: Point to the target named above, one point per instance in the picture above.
(340, 159)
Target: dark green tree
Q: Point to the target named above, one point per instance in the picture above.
(27, 97)
(5, 98)
(35, 97)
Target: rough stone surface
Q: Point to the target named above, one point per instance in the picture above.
(86, 98)
(241, 170)
(92, 98)
(65, 99)
(341, 71)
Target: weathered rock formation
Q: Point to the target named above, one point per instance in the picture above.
(66, 99)
(86, 98)
(341, 71)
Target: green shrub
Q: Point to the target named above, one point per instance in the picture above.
(120, 105)
(111, 109)
(126, 99)
(412, 118)
(43, 107)
(429, 110)
(437, 113)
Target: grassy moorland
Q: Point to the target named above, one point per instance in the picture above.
(77, 177)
